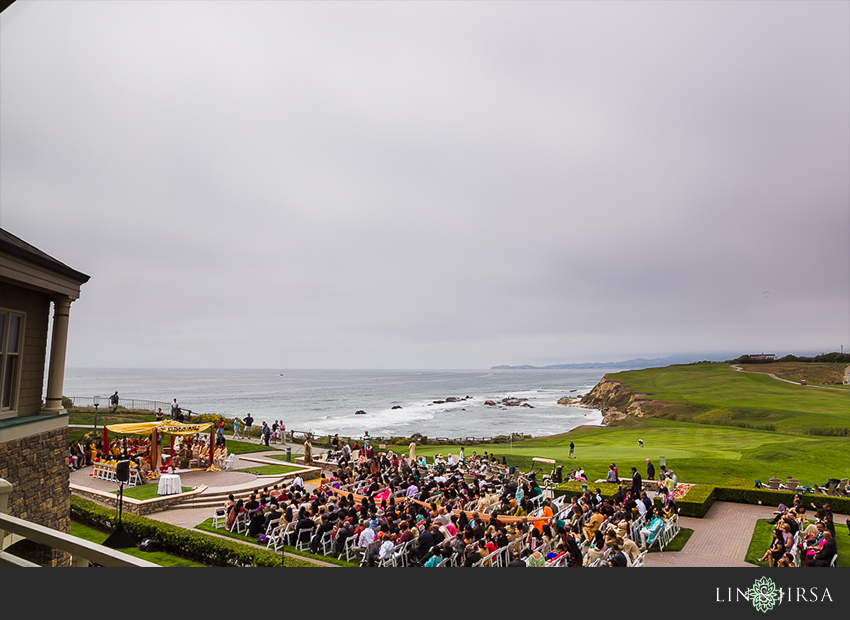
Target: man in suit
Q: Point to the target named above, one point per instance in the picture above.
(618, 559)
(827, 551)
(650, 470)
(326, 526)
(637, 483)
(345, 532)
(424, 542)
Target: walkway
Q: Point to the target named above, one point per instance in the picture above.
(773, 376)
(721, 538)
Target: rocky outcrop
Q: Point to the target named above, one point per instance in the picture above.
(451, 399)
(614, 401)
(510, 402)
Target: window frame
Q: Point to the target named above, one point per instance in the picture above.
(12, 410)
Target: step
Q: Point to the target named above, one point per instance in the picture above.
(216, 499)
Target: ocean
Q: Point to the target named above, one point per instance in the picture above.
(326, 401)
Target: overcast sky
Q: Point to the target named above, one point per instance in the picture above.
(433, 184)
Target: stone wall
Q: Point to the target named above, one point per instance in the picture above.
(37, 468)
(134, 506)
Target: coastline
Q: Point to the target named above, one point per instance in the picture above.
(395, 403)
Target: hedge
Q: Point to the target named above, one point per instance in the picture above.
(739, 495)
(694, 504)
(699, 499)
(195, 546)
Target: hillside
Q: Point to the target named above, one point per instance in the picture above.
(715, 393)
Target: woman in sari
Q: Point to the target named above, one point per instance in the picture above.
(233, 513)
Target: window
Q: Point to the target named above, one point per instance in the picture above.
(11, 339)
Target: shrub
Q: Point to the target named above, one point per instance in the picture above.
(829, 431)
(696, 502)
(766, 497)
(192, 545)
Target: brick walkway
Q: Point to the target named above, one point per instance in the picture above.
(720, 538)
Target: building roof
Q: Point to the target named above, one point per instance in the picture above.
(12, 245)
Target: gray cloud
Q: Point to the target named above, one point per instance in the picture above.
(422, 185)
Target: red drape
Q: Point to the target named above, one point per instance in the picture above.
(154, 451)
(212, 448)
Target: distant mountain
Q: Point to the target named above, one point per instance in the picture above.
(637, 363)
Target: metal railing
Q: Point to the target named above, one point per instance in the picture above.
(126, 403)
(83, 552)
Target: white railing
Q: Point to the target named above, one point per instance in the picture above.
(82, 551)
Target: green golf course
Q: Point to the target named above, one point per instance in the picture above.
(715, 425)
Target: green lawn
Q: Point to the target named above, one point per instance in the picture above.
(145, 491)
(716, 393)
(698, 453)
(677, 544)
(271, 469)
(763, 533)
(206, 526)
(244, 447)
(157, 557)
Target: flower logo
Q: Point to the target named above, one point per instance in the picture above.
(764, 594)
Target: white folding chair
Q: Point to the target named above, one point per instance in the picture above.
(326, 542)
(348, 549)
(219, 520)
(303, 542)
(240, 525)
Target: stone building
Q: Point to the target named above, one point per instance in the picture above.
(34, 433)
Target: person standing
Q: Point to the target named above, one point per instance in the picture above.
(236, 424)
(174, 408)
(572, 450)
(650, 470)
(265, 433)
(113, 400)
(637, 483)
(249, 422)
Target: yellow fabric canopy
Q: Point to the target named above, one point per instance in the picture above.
(169, 428)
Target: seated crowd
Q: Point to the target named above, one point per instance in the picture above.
(801, 540)
(400, 502)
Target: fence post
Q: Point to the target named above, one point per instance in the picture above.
(5, 490)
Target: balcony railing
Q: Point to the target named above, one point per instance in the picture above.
(83, 552)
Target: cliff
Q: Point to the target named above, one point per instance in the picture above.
(615, 401)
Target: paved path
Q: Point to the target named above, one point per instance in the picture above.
(720, 538)
(773, 376)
